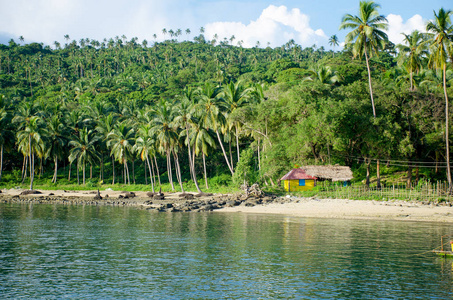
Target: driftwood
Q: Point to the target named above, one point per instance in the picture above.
(253, 190)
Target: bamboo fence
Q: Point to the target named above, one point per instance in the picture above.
(423, 191)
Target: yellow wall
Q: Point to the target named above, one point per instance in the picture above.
(293, 185)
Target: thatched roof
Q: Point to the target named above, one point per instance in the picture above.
(297, 174)
(334, 173)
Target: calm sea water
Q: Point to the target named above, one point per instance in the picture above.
(76, 252)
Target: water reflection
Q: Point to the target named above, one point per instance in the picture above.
(110, 252)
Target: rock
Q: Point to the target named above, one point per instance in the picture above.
(31, 192)
(150, 194)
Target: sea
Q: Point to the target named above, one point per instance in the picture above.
(107, 252)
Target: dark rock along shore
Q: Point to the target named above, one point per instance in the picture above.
(155, 202)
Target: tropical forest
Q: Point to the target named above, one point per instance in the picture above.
(208, 114)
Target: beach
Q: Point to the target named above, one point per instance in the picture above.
(227, 203)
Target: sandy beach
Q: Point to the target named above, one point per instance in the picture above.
(292, 206)
(353, 209)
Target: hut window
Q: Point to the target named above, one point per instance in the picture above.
(301, 182)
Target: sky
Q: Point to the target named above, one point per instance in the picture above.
(271, 23)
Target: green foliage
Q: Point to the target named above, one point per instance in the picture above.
(245, 169)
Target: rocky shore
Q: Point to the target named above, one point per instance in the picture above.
(160, 202)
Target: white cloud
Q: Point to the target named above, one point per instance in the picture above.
(397, 27)
(49, 20)
(275, 25)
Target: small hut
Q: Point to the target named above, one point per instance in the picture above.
(305, 178)
(298, 180)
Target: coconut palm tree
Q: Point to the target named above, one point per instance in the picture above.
(441, 39)
(57, 140)
(30, 141)
(209, 110)
(413, 54)
(322, 74)
(184, 118)
(367, 36)
(235, 96)
(163, 130)
(144, 147)
(83, 149)
(333, 41)
(104, 127)
(121, 141)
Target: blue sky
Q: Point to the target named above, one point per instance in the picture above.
(269, 22)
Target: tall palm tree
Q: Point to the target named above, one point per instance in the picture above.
(333, 41)
(413, 54)
(367, 36)
(235, 96)
(121, 140)
(30, 141)
(184, 118)
(83, 149)
(163, 130)
(104, 127)
(57, 141)
(209, 110)
(441, 42)
(144, 147)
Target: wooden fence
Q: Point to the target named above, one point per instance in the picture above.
(423, 191)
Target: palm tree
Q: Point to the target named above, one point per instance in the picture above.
(144, 147)
(121, 140)
(57, 141)
(413, 54)
(367, 35)
(441, 31)
(30, 141)
(235, 96)
(83, 149)
(162, 128)
(333, 41)
(104, 127)
(209, 110)
(323, 75)
(184, 118)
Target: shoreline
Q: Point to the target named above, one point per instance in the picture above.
(237, 203)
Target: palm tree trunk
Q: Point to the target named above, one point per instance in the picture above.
(170, 177)
(192, 161)
(146, 174)
(231, 154)
(69, 175)
(54, 180)
(31, 163)
(237, 142)
(113, 168)
(369, 82)
(78, 177)
(157, 170)
(368, 163)
(1, 161)
(178, 171)
(133, 171)
(24, 169)
(83, 174)
(446, 131)
(224, 153)
(259, 156)
(204, 169)
(154, 174)
(149, 168)
(127, 173)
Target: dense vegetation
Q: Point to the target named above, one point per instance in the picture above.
(209, 111)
